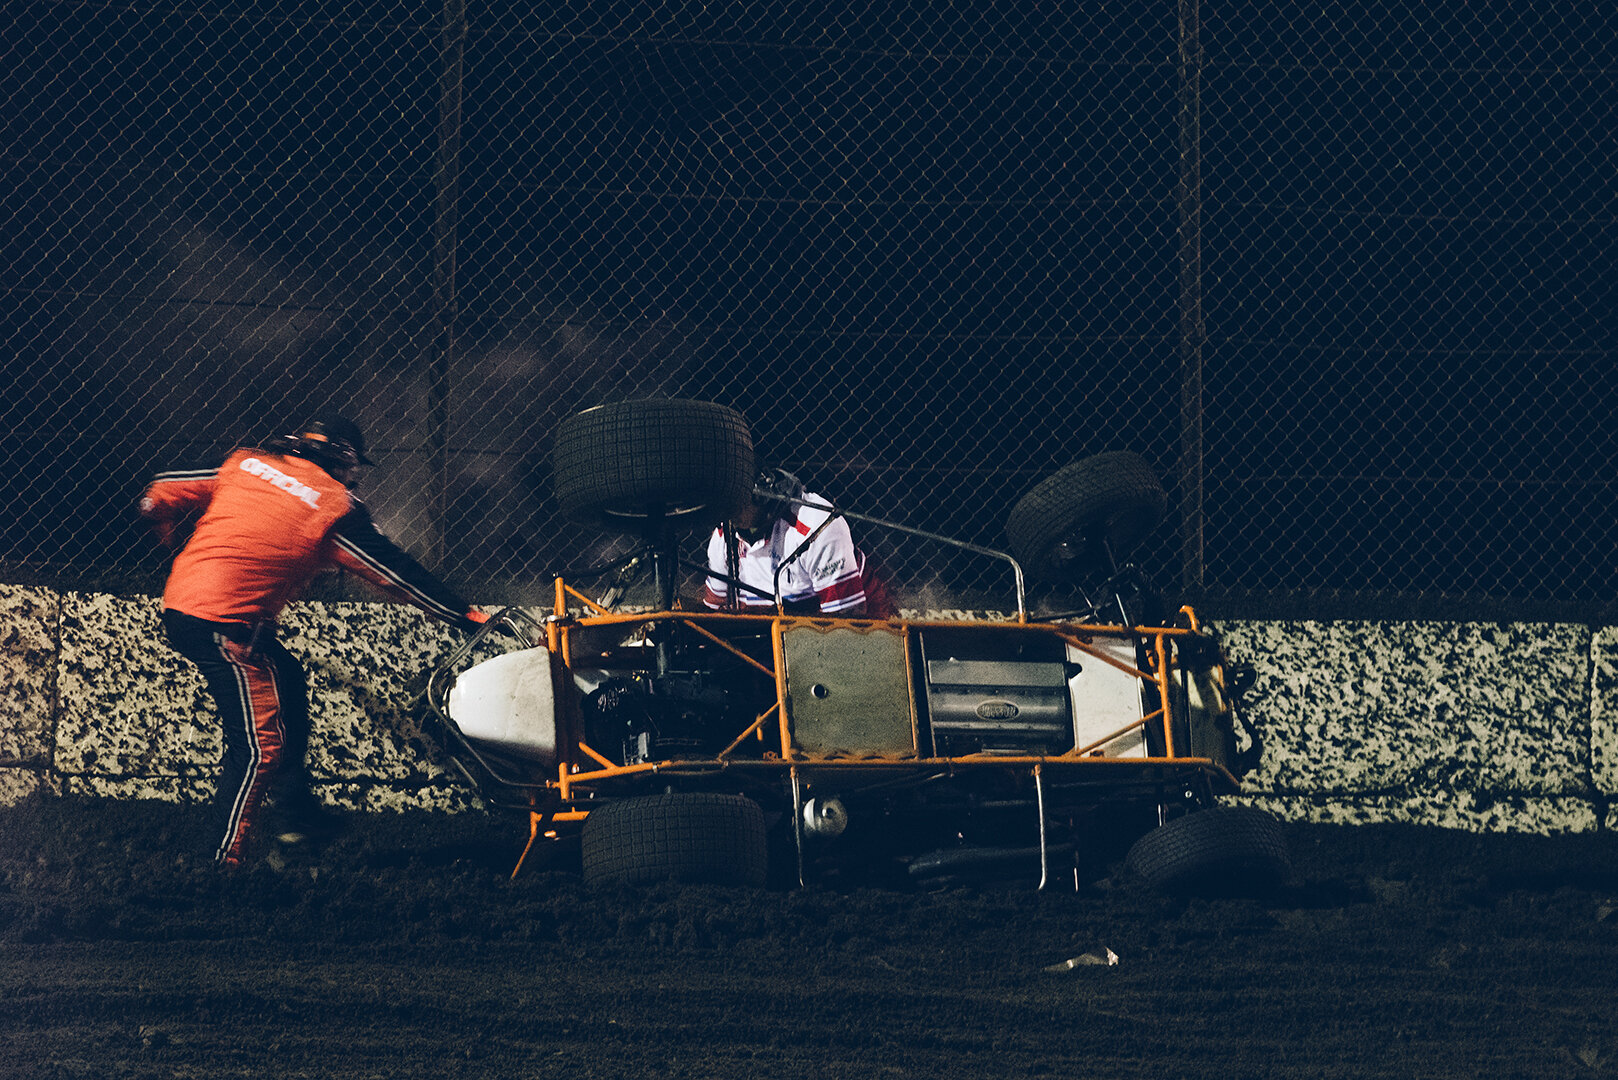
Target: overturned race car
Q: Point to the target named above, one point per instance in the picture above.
(751, 749)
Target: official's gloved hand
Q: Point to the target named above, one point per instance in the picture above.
(163, 527)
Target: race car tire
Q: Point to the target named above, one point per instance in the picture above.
(1223, 850)
(705, 837)
(621, 465)
(1057, 529)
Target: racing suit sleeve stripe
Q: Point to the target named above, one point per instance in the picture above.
(847, 593)
(184, 474)
(172, 493)
(359, 547)
(842, 594)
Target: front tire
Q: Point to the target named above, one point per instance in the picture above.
(706, 837)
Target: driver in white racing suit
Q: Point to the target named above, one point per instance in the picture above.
(829, 577)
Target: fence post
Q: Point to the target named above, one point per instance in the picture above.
(446, 302)
(1188, 194)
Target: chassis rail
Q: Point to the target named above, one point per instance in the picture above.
(764, 754)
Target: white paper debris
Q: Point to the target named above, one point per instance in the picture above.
(1098, 958)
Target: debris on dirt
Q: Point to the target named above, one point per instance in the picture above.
(1095, 958)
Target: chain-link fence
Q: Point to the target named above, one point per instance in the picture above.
(1342, 274)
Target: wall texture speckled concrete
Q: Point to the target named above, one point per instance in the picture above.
(1466, 725)
(27, 687)
(1477, 726)
(97, 703)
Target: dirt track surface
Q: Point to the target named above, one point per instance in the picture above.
(404, 951)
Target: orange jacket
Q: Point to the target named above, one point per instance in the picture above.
(270, 522)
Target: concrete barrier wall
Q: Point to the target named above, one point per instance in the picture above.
(1480, 726)
(97, 703)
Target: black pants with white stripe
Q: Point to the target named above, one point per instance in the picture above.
(263, 699)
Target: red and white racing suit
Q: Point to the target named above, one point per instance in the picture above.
(831, 575)
(269, 522)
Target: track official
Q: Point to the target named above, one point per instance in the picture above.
(272, 517)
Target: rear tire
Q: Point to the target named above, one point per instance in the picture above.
(1223, 850)
(703, 837)
(620, 466)
(1058, 529)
